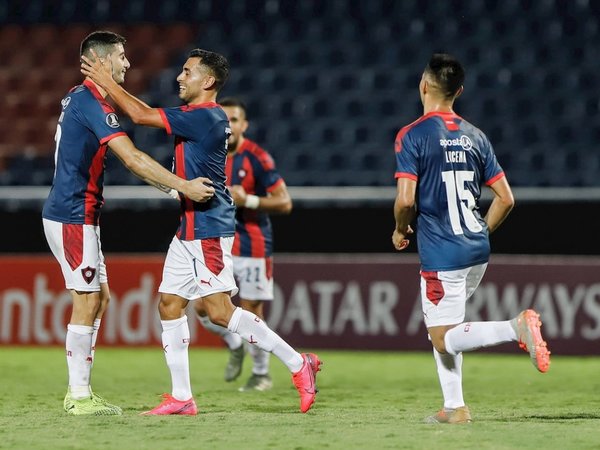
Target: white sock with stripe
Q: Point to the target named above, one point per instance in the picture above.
(175, 341)
(260, 359)
(97, 323)
(232, 340)
(78, 345)
(449, 368)
(255, 331)
(470, 336)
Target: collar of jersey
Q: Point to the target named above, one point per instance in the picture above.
(441, 113)
(199, 105)
(95, 92)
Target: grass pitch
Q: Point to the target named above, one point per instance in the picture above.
(367, 400)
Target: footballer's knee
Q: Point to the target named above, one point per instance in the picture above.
(85, 307)
(220, 314)
(254, 306)
(171, 307)
(219, 308)
(199, 308)
(439, 345)
(437, 336)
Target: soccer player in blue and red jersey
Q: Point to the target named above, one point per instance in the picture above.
(441, 163)
(258, 190)
(199, 262)
(87, 127)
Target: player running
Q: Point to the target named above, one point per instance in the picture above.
(441, 162)
(199, 263)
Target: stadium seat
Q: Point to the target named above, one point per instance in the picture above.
(322, 75)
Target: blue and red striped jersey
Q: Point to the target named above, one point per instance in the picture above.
(254, 169)
(85, 126)
(201, 133)
(450, 159)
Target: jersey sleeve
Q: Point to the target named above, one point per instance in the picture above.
(267, 173)
(103, 121)
(407, 156)
(492, 171)
(178, 123)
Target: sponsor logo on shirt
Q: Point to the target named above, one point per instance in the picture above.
(65, 102)
(463, 141)
(112, 120)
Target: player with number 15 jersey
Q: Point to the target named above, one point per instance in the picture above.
(442, 161)
(450, 159)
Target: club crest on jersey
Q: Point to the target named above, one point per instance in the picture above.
(88, 273)
(112, 120)
(65, 102)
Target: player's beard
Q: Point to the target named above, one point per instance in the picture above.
(185, 96)
(119, 77)
(232, 145)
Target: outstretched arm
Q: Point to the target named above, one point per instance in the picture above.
(501, 206)
(404, 211)
(153, 173)
(101, 73)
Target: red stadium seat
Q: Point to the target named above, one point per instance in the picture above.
(179, 36)
(49, 104)
(11, 36)
(32, 97)
(9, 79)
(44, 36)
(151, 59)
(142, 37)
(19, 59)
(58, 56)
(72, 35)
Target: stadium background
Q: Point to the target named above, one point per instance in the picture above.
(328, 85)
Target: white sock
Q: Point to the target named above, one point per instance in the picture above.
(97, 323)
(79, 359)
(256, 332)
(449, 368)
(232, 340)
(175, 341)
(470, 336)
(260, 358)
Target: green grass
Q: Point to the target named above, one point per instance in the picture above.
(367, 400)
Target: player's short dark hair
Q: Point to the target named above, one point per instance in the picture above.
(217, 64)
(101, 42)
(447, 72)
(234, 102)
